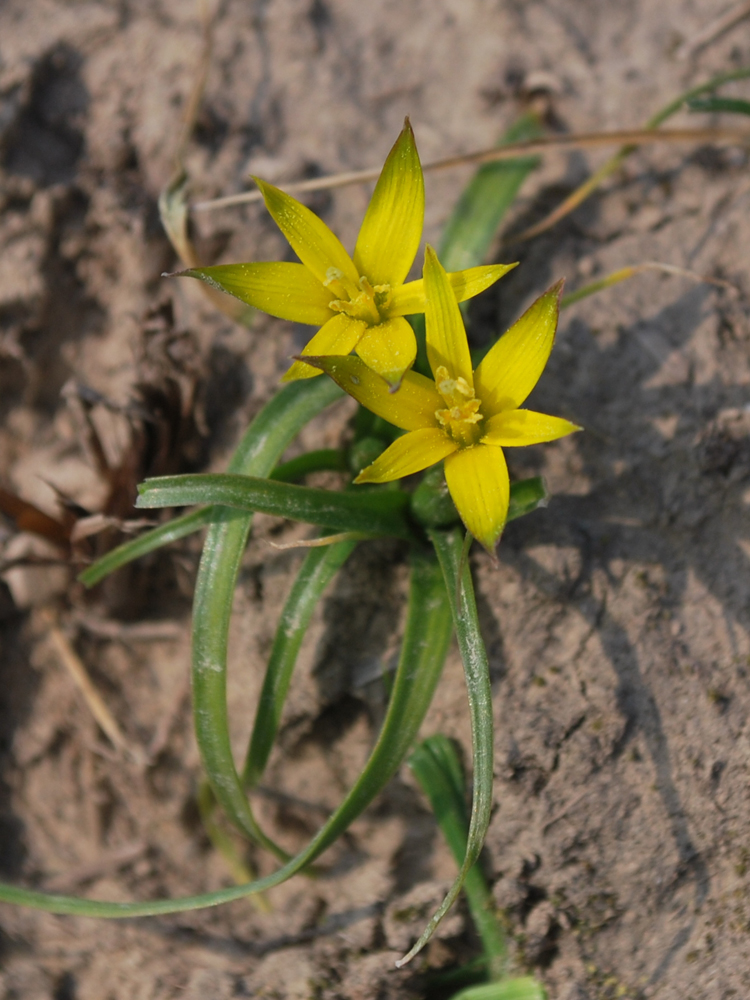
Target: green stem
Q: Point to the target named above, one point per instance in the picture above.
(458, 583)
(438, 770)
(316, 572)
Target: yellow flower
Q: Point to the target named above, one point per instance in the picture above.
(464, 417)
(360, 302)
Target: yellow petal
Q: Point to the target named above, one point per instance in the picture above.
(389, 348)
(407, 455)
(512, 367)
(310, 238)
(289, 291)
(408, 299)
(392, 228)
(338, 336)
(515, 428)
(446, 337)
(410, 407)
(478, 481)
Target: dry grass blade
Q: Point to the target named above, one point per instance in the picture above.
(96, 704)
(318, 543)
(582, 140)
(623, 273)
(714, 30)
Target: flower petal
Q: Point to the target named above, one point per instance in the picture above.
(408, 454)
(410, 407)
(310, 238)
(512, 367)
(392, 227)
(478, 481)
(288, 291)
(389, 348)
(446, 337)
(338, 336)
(408, 299)
(515, 428)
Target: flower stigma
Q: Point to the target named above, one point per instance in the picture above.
(461, 418)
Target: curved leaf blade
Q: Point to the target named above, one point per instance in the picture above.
(374, 513)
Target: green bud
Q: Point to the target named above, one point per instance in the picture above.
(364, 452)
(431, 503)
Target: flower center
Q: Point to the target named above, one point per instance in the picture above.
(362, 301)
(461, 417)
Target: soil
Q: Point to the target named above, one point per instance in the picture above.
(617, 622)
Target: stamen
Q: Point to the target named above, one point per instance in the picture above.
(461, 415)
(360, 302)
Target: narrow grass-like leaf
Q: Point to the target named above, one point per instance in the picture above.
(323, 460)
(375, 513)
(423, 652)
(523, 988)
(173, 530)
(296, 468)
(262, 445)
(317, 571)
(438, 770)
(224, 845)
(472, 227)
(733, 105)
(458, 582)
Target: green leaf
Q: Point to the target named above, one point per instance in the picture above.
(316, 572)
(173, 530)
(324, 460)
(471, 230)
(731, 104)
(381, 512)
(438, 770)
(458, 582)
(265, 440)
(423, 652)
(523, 988)
(179, 527)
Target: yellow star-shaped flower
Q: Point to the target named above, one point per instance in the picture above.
(464, 417)
(359, 302)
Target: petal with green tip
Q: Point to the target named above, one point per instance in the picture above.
(338, 336)
(410, 407)
(409, 299)
(310, 238)
(392, 227)
(389, 348)
(513, 366)
(409, 454)
(516, 428)
(288, 291)
(447, 345)
(478, 482)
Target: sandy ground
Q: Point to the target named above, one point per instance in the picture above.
(617, 623)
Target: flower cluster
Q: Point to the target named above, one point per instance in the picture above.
(462, 417)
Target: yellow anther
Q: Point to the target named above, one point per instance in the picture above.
(461, 415)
